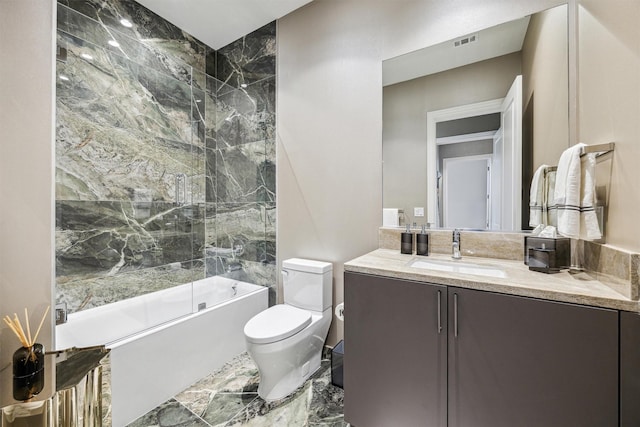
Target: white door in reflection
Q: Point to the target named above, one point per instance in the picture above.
(466, 191)
(511, 125)
(495, 212)
(504, 211)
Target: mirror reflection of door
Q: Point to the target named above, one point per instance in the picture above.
(493, 128)
(465, 150)
(466, 188)
(496, 182)
(511, 125)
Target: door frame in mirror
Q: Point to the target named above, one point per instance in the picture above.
(514, 198)
(433, 117)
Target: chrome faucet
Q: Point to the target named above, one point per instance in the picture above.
(455, 246)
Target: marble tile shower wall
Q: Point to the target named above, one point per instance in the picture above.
(165, 155)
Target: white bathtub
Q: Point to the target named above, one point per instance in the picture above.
(153, 363)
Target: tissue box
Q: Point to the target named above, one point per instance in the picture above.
(543, 260)
(547, 253)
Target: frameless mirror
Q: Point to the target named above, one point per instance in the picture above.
(465, 122)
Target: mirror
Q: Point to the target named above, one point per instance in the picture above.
(460, 138)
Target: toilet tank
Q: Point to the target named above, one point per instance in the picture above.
(307, 284)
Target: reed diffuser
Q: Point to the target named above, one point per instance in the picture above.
(28, 360)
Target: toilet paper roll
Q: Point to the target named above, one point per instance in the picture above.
(339, 311)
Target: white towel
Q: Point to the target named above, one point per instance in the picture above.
(550, 210)
(575, 195)
(537, 196)
(589, 228)
(567, 192)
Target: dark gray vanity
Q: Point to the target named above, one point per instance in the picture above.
(459, 353)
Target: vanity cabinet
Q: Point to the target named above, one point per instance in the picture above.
(629, 369)
(517, 361)
(395, 352)
(505, 360)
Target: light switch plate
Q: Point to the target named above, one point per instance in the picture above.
(418, 211)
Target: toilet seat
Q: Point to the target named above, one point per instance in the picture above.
(276, 323)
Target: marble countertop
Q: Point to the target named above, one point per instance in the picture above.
(577, 288)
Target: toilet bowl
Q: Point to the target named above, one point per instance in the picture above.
(286, 340)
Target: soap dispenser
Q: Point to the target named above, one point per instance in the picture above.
(406, 241)
(422, 242)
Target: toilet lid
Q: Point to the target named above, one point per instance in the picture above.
(276, 323)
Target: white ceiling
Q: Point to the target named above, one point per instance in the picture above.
(220, 22)
(490, 43)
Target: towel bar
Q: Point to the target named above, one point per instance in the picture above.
(600, 149)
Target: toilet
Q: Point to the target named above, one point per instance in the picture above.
(286, 340)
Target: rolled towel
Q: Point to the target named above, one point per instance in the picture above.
(567, 192)
(537, 196)
(575, 195)
(550, 210)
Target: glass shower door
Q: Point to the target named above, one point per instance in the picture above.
(129, 171)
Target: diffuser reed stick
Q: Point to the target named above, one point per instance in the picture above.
(9, 323)
(44, 316)
(14, 324)
(26, 317)
(18, 326)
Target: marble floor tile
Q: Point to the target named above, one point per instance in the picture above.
(238, 377)
(170, 413)
(228, 397)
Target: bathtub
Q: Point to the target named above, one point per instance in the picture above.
(158, 351)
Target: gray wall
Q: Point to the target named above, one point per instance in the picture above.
(545, 60)
(609, 107)
(474, 124)
(329, 138)
(463, 149)
(27, 29)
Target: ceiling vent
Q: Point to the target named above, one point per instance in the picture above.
(465, 40)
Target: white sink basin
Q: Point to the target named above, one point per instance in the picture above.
(456, 266)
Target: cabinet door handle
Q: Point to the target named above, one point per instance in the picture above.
(455, 315)
(439, 311)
